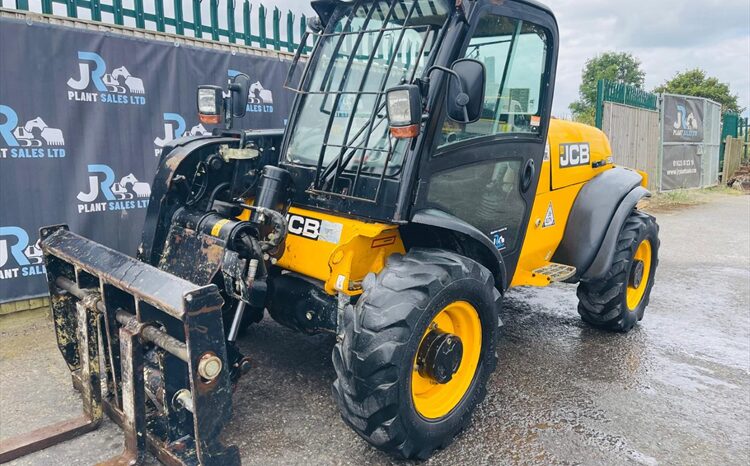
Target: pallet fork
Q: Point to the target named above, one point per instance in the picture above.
(143, 346)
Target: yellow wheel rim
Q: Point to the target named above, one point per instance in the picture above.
(431, 399)
(637, 288)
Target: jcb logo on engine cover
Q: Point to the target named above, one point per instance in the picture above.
(303, 226)
(314, 229)
(575, 155)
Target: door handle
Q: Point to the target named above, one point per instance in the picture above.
(528, 175)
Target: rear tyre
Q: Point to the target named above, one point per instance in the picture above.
(415, 352)
(618, 300)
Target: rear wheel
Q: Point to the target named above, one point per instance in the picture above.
(416, 351)
(617, 301)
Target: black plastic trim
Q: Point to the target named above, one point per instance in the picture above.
(592, 214)
(441, 219)
(606, 254)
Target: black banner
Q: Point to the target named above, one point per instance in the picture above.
(83, 118)
(681, 167)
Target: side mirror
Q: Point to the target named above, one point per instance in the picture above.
(210, 104)
(404, 104)
(466, 91)
(240, 91)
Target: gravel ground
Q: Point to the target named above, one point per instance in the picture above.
(676, 390)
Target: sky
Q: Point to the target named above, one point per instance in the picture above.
(668, 36)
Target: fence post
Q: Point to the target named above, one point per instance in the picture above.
(230, 22)
(117, 7)
(599, 103)
(276, 28)
(72, 10)
(159, 10)
(96, 10)
(302, 28)
(179, 25)
(140, 22)
(290, 31)
(246, 26)
(197, 21)
(262, 26)
(214, 10)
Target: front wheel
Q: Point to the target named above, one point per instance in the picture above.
(415, 352)
(618, 300)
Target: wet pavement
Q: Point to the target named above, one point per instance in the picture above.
(676, 390)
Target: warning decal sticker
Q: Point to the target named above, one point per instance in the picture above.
(549, 219)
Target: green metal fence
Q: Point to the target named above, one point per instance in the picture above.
(735, 126)
(236, 31)
(609, 91)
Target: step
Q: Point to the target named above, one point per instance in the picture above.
(556, 272)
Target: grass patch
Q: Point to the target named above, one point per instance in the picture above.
(672, 200)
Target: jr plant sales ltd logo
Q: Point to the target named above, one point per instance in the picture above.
(175, 128)
(19, 258)
(31, 140)
(96, 85)
(106, 194)
(685, 125)
(260, 99)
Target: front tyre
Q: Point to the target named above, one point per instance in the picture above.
(415, 352)
(618, 300)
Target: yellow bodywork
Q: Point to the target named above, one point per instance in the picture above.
(341, 251)
(557, 191)
(342, 257)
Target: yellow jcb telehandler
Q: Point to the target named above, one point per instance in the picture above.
(419, 178)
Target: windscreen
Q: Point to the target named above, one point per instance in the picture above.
(369, 47)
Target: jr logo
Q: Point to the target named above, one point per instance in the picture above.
(575, 155)
(174, 128)
(17, 257)
(260, 99)
(685, 125)
(128, 193)
(34, 139)
(118, 87)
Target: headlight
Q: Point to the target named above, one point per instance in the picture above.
(209, 100)
(404, 104)
(210, 104)
(399, 108)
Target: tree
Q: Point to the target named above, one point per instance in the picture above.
(696, 83)
(618, 67)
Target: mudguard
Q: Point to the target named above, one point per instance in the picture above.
(493, 260)
(596, 219)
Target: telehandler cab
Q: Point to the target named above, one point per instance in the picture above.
(419, 178)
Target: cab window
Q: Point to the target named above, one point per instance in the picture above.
(514, 53)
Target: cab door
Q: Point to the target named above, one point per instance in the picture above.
(487, 173)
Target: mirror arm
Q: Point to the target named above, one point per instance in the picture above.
(449, 71)
(228, 113)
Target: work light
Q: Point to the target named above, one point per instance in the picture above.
(404, 104)
(210, 104)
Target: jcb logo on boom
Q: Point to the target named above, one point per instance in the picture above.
(118, 87)
(575, 155)
(17, 257)
(127, 194)
(32, 140)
